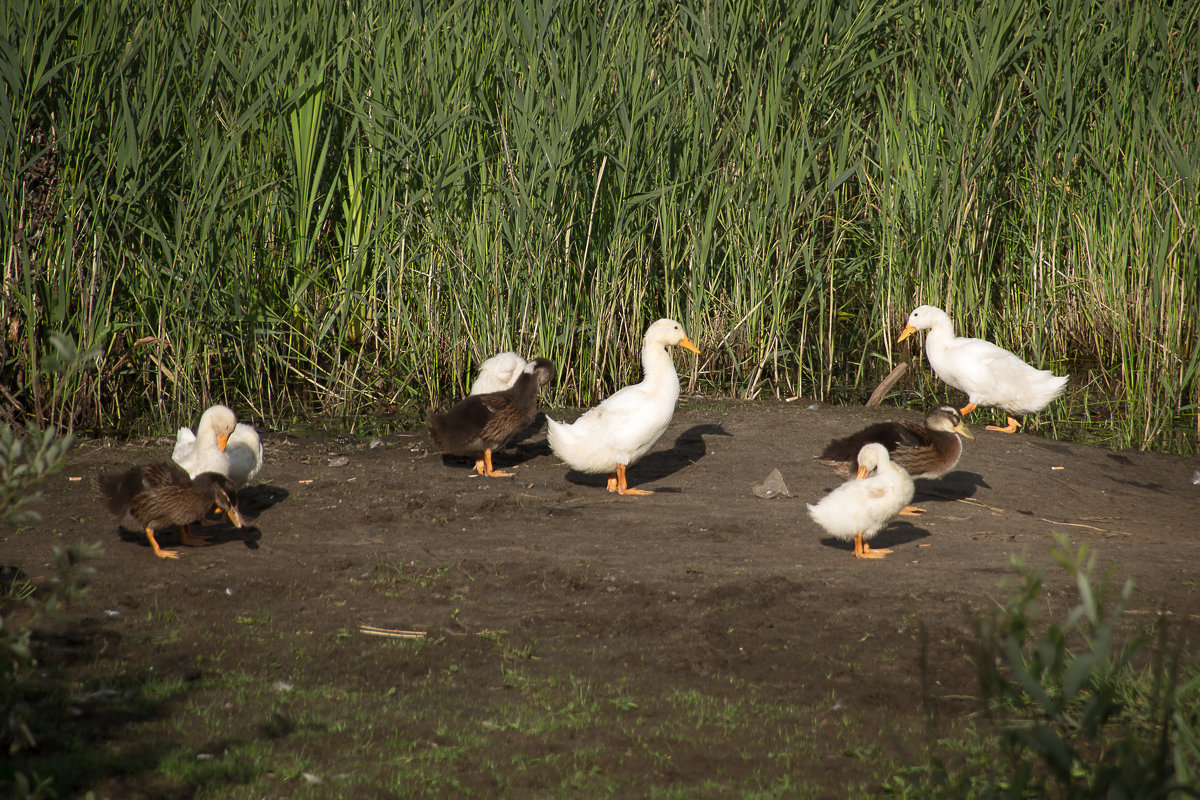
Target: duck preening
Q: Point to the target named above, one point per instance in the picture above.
(498, 373)
(480, 424)
(860, 508)
(220, 444)
(928, 450)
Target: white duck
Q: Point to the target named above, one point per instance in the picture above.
(990, 375)
(860, 508)
(220, 444)
(498, 373)
(619, 431)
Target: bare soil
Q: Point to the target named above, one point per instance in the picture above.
(701, 585)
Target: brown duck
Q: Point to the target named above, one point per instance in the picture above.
(925, 451)
(160, 495)
(482, 423)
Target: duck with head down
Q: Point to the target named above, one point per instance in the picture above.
(928, 450)
(159, 495)
(860, 508)
(480, 424)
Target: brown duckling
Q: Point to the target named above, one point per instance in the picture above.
(482, 423)
(162, 494)
(925, 451)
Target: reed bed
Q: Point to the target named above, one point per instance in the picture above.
(340, 208)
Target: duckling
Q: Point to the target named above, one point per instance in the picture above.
(924, 451)
(989, 374)
(860, 508)
(220, 444)
(481, 423)
(498, 373)
(619, 431)
(161, 494)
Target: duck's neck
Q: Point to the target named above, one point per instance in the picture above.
(658, 368)
(942, 330)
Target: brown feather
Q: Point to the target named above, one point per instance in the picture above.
(925, 451)
(482, 422)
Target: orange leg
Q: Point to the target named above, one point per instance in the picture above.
(967, 409)
(1010, 428)
(863, 550)
(158, 551)
(186, 537)
(911, 511)
(484, 467)
(618, 484)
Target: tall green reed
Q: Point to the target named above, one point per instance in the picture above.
(345, 209)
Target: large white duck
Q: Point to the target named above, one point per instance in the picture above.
(498, 373)
(619, 431)
(990, 375)
(220, 444)
(861, 507)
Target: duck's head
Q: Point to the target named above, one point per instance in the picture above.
(922, 319)
(668, 332)
(543, 368)
(946, 418)
(223, 494)
(221, 421)
(870, 457)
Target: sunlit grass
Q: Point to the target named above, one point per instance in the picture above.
(346, 209)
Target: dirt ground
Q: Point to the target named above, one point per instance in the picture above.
(701, 584)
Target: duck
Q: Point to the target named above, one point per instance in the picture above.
(498, 373)
(615, 434)
(861, 507)
(924, 451)
(220, 444)
(480, 424)
(989, 375)
(162, 494)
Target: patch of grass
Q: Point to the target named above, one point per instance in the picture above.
(1073, 709)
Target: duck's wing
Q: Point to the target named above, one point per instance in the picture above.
(185, 446)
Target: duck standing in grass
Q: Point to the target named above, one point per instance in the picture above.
(924, 451)
(619, 431)
(220, 444)
(162, 494)
(481, 423)
(860, 508)
(990, 375)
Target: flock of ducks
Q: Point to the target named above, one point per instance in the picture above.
(209, 466)
(204, 474)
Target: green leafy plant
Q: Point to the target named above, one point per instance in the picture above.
(1080, 713)
(24, 460)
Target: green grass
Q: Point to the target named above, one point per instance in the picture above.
(336, 210)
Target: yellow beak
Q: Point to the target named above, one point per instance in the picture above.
(686, 344)
(908, 331)
(962, 428)
(862, 473)
(222, 441)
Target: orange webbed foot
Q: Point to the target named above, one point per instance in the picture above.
(1010, 428)
(158, 551)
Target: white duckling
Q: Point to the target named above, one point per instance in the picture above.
(220, 444)
(860, 508)
(619, 431)
(498, 373)
(990, 375)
